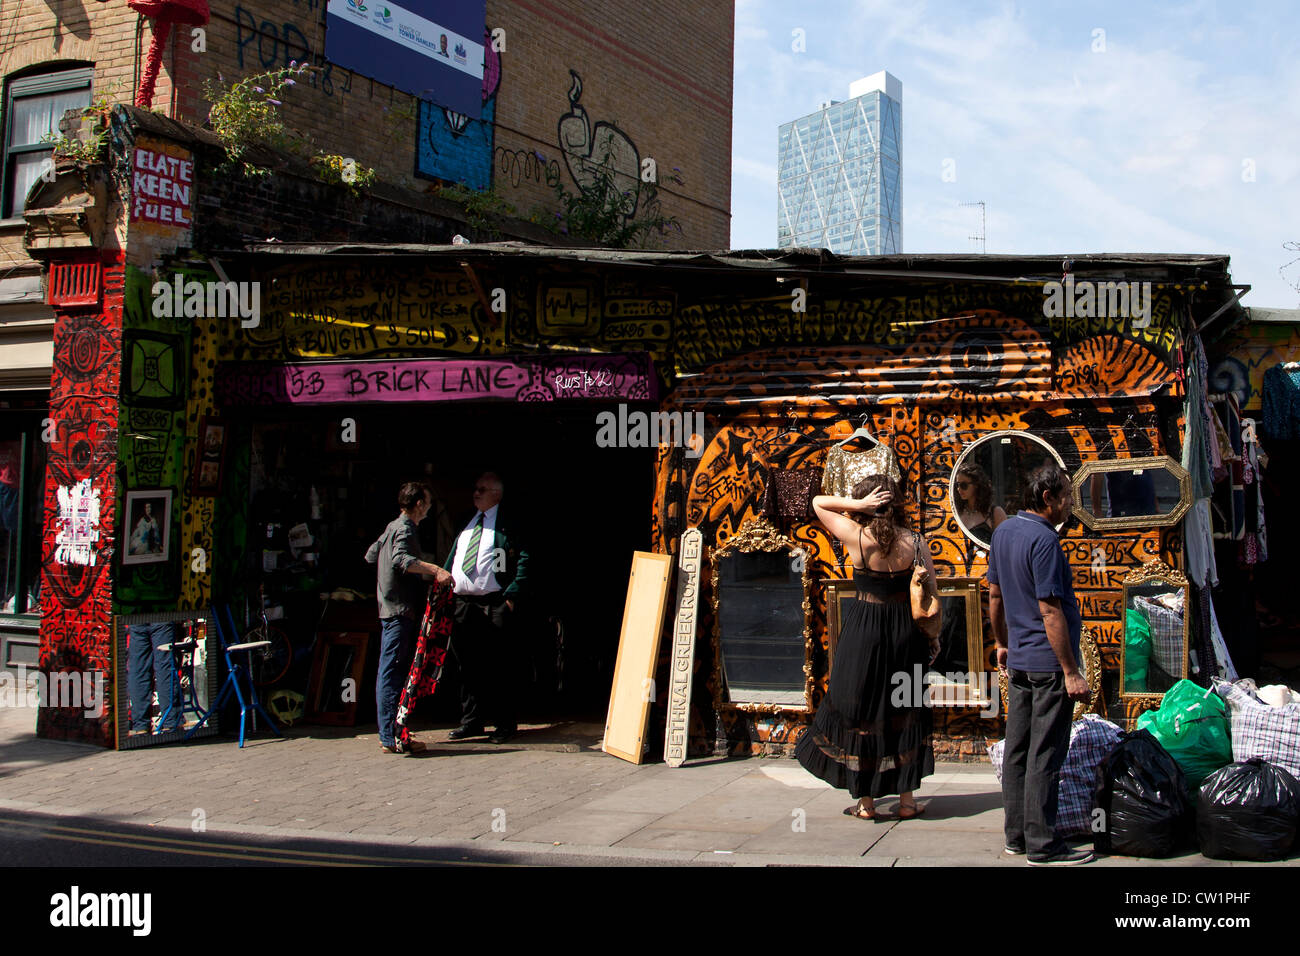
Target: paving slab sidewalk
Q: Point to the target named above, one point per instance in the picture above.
(550, 789)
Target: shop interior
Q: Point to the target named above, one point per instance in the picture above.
(318, 499)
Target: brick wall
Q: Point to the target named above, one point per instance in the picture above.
(659, 72)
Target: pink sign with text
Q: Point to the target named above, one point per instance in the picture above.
(520, 379)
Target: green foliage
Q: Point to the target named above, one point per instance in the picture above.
(482, 207)
(87, 151)
(333, 168)
(611, 213)
(605, 215)
(247, 114)
(81, 151)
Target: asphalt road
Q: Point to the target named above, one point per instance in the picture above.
(44, 840)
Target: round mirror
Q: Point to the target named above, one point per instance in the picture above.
(988, 483)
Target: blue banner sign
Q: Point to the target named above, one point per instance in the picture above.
(432, 49)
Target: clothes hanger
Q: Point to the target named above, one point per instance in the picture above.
(791, 425)
(860, 433)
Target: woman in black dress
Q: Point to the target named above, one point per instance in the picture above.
(860, 739)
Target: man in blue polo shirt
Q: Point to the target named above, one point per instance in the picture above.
(1036, 625)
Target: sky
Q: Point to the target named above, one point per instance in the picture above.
(1175, 129)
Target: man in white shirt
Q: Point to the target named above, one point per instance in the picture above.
(489, 568)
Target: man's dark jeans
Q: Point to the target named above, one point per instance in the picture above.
(149, 669)
(396, 651)
(1038, 736)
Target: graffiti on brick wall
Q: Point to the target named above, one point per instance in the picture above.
(262, 44)
(76, 595)
(452, 147)
(594, 153)
(344, 310)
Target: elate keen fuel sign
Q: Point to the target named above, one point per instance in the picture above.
(162, 181)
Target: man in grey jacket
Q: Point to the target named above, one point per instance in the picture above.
(401, 596)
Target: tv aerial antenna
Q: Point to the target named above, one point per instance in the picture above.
(982, 237)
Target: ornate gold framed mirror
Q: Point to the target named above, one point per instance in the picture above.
(988, 481)
(1132, 493)
(1090, 661)
(1157, 627)
(762, 612)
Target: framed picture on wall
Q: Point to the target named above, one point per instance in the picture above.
(148, 526)
(210, 462)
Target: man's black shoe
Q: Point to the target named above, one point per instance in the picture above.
(1064, 858)
(461, 733)
(500, 736)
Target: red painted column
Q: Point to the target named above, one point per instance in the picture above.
(77, 582)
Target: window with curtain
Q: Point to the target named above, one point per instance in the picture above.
(33, 107)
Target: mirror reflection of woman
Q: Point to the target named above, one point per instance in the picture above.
(870, 736)
(975, 508)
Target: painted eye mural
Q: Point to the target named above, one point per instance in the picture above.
(84, 442)
(83, 349)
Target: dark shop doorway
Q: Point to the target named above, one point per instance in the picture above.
(583, 509)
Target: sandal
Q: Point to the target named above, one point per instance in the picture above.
(862, 814)
(909, 811)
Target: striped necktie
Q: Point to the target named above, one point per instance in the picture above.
(469, 563)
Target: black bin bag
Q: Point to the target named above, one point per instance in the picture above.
(1248, 811)
(1142, 795)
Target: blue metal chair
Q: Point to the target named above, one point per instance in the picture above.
(237, 672)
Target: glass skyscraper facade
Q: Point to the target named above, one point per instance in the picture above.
(839, 173)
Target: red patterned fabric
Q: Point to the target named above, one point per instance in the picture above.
(430, 655)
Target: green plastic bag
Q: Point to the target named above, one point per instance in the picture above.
(1193, 728)
(1137, 651)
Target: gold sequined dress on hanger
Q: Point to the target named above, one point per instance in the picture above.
(845, 468)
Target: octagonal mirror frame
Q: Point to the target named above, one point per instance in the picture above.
(1113, 465)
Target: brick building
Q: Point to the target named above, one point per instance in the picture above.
(636, 82)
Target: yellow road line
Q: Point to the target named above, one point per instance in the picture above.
(172, 845)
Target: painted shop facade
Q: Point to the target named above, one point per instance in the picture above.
(233, 418)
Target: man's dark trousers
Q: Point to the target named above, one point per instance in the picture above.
(1038, 737)
(480, 641)
(396, 651)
